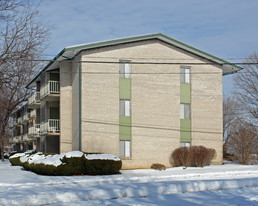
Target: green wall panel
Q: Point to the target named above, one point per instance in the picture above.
(125, 129)
(185, 93)
(124, 88)
(54, 76)
(185, 130)
(54, 113)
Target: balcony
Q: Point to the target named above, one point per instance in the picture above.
(51, 127)
(25, 137)
(50, 91)
(34, 131)
(34, 100)
(19, 120)
(26, 117)
(33, 114)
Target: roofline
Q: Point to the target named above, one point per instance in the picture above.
(159, 36)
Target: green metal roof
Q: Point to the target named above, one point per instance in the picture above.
(72, 51)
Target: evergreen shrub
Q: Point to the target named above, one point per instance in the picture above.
(72, 166)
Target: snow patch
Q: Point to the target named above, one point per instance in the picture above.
(73, 154)
(17, 155)
(101, 157)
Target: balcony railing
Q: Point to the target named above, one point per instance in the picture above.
(51, 126)
(34, 98)
(33, 113)
(34, 130)
(52, 87)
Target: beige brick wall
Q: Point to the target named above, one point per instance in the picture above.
(155, 103)
(207, 124)
(65, 107)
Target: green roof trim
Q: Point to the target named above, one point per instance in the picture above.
(159, 36)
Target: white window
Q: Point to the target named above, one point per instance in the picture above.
(185, 74)
(124, 107)
(124, 69)
(185, 111)
(185, 144)
(125, 148)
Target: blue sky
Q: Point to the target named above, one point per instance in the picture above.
(224, 28)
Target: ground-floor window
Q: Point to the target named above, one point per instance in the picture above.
(185, 144)
(124, 148)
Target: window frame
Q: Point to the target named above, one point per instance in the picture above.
(127, 151)
(125, 107)
(183, 114)
(185, 75)
(185, 144)
(123, 65)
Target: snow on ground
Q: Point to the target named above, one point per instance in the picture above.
(229, 184)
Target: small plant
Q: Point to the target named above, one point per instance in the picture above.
(158, 166)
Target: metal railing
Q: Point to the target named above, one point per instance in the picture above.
(51, 126)
(34, 98)
(33, 113)
(34, 130)
(52, 87)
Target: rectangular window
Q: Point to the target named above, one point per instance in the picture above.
(185, 144)
(124, 69)
(185, 75)
(185, 111)
(124, 107)
(125, 148)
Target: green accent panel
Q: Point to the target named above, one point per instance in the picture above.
(185, 93)
(54, 113)
(54, 76)
(125, 128)
(185, 130)
(124, 88)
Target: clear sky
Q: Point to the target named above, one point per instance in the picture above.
(224, 28)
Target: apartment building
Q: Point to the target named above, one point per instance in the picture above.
(138, 98)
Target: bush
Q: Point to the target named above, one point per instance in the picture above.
(182, 157)
(198, 156)
(102, 167)
(158, 166)
(67, 164)
(15, 161)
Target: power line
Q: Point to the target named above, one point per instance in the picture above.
(149, 127)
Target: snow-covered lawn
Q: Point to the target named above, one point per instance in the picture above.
(214, 185)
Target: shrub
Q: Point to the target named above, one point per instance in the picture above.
(71, 163)
(182, 157)
(202, 156)
(158, 166)
(15, 161)
(102, 167)
(198, 156)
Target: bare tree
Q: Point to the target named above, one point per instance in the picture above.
(246, 82)
(22, 39)
(231, 112)
(243, 141)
